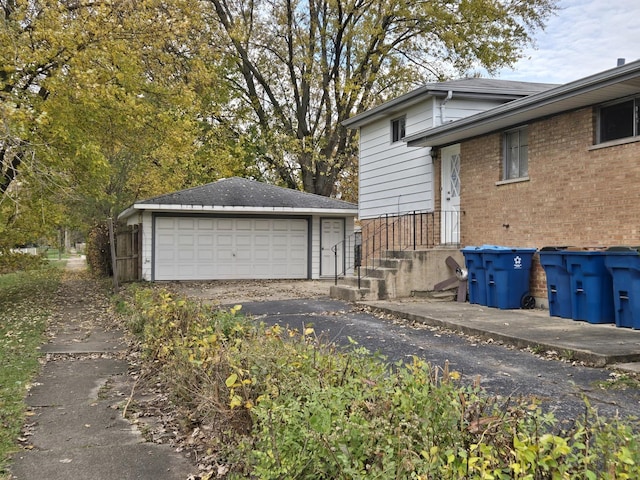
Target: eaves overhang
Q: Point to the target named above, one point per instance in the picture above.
(229, 210)
(486, 89)
(596, 89)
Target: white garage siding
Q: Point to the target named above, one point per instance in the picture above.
(212, 248)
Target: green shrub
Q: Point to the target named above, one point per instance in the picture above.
(99, 250)
(281, 403)
(14, 262)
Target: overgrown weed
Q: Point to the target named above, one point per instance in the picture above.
(280, 403)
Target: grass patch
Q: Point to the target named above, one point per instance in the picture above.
(54, 254)
(23, 318)
(619, 381)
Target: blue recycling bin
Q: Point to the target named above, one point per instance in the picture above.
(591, 286)
(554, 263)
(624, 265)
(476, 279)
(507, 275)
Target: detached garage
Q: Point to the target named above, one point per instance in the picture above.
(241, 229)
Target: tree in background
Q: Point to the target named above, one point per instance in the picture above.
(103, 103)
(99, 106)
(301, 67)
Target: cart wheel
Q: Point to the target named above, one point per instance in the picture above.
(528, 302)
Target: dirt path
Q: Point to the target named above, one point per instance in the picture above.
(243, 291)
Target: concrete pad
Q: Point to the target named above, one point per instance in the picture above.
(81, 426)
(597, 344)
(72, 381)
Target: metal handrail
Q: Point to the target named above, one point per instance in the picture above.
(413, 230)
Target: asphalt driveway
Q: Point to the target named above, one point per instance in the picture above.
(562, 386)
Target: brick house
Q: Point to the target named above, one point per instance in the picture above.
(558, 167)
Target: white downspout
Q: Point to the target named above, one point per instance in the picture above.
(443, 117)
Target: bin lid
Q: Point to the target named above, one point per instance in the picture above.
(585, 251)
(554, 249)
(500, 248)
(623, 250)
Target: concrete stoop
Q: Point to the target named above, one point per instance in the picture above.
(399, 274)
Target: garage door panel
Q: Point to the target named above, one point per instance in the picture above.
(246, 225)
(205, 224)
(186, 255)
(205, 240)
(223, 255)
(262, 255)
(281, 225)
(262, 225)
(244, 240)
(228, 248)
(224, 240)
(185, 240)
(186, 224)
(224, 224)
(205, 255)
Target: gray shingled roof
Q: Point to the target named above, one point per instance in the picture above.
(242, 192)
(490, 85)
(506, 90)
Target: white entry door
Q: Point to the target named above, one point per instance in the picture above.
(450, 201)
(332, 234)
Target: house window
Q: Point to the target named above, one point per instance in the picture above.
(516, 154)
(398, 129)
(619, 120)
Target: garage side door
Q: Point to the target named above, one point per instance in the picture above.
(191, 248)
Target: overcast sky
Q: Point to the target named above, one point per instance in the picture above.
(585, 37)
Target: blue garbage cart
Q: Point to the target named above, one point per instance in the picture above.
(476, 279)
(554, 263)
(624, 265)
(591, 286)
(507, 275)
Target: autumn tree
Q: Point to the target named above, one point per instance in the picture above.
(302, 67)
(100, 105)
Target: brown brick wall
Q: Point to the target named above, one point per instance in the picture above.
(574, 196)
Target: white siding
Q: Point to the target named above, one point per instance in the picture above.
(315, 247)
(395, 178)
(455, 109)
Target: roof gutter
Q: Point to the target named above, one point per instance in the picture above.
(157, 207)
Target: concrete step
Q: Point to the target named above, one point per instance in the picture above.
(380, 272)
(370, 289)
(443, 296)
(348, 293)
(391, 263)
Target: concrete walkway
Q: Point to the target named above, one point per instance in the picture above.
(76, 429)
(597, 344)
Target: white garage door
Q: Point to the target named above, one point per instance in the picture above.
(191, 248)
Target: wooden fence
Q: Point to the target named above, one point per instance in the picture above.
(127, 253)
